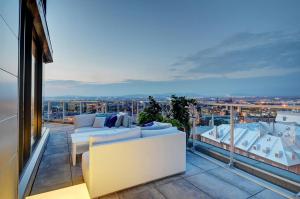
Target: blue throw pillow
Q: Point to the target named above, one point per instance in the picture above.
(106, 120)
(148, 124)
(111, 121)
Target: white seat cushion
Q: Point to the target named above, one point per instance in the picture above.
(149, 133)
(84, 120)
(89, 129)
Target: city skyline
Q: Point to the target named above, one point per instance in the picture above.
(233, 49)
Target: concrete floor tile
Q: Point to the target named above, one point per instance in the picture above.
(191, 170)
(216, 187)
(200, 162)
(110, 196)
(236, 180)
(181, 189)
(167, 180)
(267, 194)
(150, 193)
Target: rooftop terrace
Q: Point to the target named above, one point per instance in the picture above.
(204, 178)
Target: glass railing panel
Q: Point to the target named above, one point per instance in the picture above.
(266, 137)
(213, 129)
(269, 139)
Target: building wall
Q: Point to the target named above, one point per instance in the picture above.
(9, 27)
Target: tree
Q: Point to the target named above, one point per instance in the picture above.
(153, 108)
(151, 113)
(180, 111)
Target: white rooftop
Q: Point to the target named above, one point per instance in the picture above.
(279, 142)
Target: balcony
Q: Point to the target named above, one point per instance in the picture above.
(205, 177)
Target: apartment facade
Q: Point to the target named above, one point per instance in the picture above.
(25, 48)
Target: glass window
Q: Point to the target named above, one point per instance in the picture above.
(33, 98)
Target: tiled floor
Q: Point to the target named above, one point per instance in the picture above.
(202, 179)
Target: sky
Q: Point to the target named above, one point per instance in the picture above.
(204, 47)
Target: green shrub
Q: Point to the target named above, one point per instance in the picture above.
(145, 117)
(174, 122)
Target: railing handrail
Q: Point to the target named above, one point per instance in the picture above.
(288, 107)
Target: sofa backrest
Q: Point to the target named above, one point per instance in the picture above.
(149, 133)
(123, 164)
(84, 120)
(117, 136)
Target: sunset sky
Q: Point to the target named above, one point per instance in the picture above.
(205, 47)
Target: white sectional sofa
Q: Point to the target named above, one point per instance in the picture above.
(84, 128)
(114, 163)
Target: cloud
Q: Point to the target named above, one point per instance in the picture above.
(244, 55)
(244, 64)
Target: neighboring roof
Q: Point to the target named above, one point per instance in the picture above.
(248, 139)
(238, 134)
(257, 138)
(222, 130)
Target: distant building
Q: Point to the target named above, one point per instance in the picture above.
(288, 117)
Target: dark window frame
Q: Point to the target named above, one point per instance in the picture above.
(28, 35)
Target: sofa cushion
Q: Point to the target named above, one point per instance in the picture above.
(127, 121)
(111, 121)
(119, 120)
(117, 136)
(89, 129)
(84, 120)
(99, 122)
(149, 133)
(148, 124)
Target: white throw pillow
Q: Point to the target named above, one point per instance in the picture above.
(127, 121)
(84, 120)
(149, 133)
(99, 122)
(117, 136)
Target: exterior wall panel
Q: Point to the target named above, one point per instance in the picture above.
(9, 10)
(8, 44)
(9, 179)
(9, 25)
(8, 95)
(8, 140)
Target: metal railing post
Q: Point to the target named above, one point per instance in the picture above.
(231, 136)
(63, 112)
(193, 134)
(132, 108)
(80, 108)
(97, 107)
(48, 113)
